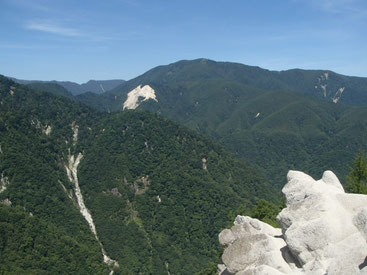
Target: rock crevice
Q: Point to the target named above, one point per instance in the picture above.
(323, 231)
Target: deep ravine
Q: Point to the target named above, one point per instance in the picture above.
(71, 168)
(72, 172)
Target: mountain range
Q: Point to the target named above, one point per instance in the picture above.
(93, 86)
(321, 84)
(140, 179)
(85, 192)
(311, 120)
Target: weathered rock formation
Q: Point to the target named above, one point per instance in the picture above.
(138, 95)
(323, 231)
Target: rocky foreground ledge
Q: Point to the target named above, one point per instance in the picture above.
(323, 231)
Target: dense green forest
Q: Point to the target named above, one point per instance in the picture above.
(158, 193)
(41, 225)
(72, 88)
(278, 120)
(182, 76)
(357, 177)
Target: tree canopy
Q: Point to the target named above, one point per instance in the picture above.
(357, 177)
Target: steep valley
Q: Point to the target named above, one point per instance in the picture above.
(278, 120)
(87, 192)
(145, 184)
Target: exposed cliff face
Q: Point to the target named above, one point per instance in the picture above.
(324, 231)
(139, 94)
(71, 168)
(72, 172)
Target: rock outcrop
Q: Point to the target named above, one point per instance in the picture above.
(138, 95)
(323, 231)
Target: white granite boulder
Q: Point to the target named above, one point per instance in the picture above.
(252, 246)
(324, 231)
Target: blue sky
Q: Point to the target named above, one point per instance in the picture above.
(78, 40)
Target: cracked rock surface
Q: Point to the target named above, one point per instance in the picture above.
(323, 231)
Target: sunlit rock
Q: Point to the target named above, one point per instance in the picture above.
(323, 231)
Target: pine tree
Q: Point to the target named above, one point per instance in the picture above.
(357, 178)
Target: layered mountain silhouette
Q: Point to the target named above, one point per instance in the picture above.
(144, 178)
(311, 120)
(93, 86)
(87, 192)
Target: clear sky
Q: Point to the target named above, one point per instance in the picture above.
(78, 40)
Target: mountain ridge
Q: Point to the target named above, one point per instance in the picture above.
(158, 193)
(279, 127)
(269, 80)
(94, 86)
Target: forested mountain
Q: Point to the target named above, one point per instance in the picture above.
(85, 192)
(157, 193)
(93, 86)
(187, 74)
(294, 119)
(50, 87)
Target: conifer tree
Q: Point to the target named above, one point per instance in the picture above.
(357, 178)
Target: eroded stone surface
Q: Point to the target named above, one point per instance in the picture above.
(138, 95)
(324, 231)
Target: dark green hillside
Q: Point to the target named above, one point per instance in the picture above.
(158, 193)
(292, 132)
(274, 119)
(41, 232)
(166, 196)
(96, 101)
(92, 86)
(180, 77)
(35, 245)
(50, 87)
(310, 82)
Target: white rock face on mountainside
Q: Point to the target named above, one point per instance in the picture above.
(4, 182)
(324, 231)
(138, 95)
(71, 168)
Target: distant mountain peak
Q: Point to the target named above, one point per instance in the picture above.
(94, 86)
